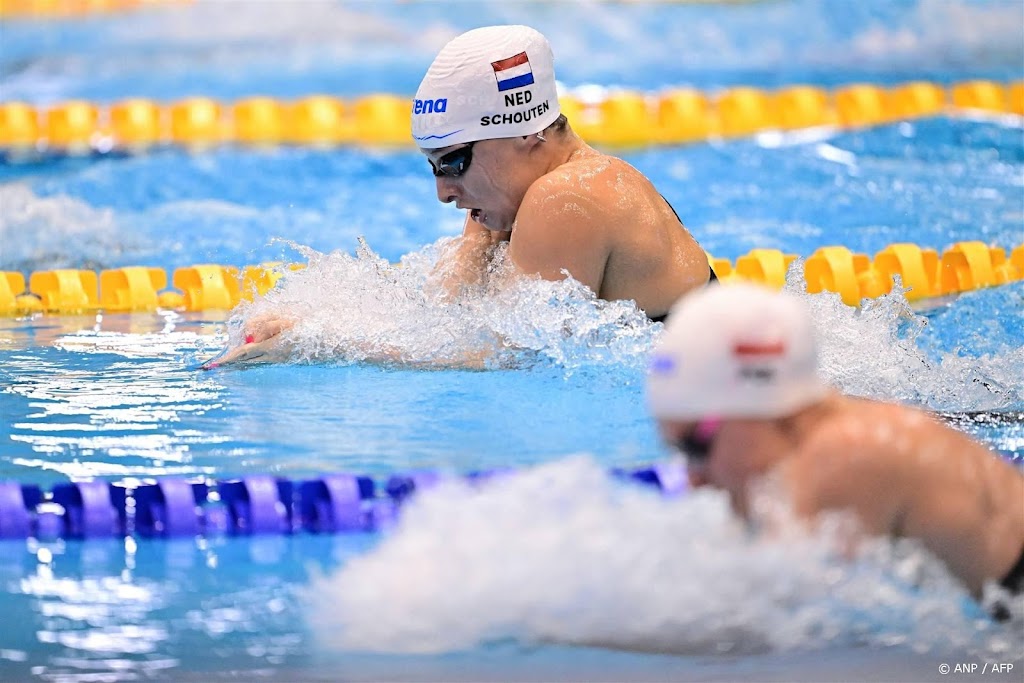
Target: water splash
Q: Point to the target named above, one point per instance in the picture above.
(949, 33)
(241, 47)
(56, 232)
(563, 553)
(352, 308)
(879, 351)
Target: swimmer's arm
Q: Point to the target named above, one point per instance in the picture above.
(264, 343)
(558, 231)
(952, 510)
(946, 520)
(465, 263)
(836, 472)
(276, 350)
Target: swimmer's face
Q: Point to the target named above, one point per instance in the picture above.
(727, 454)
(487, 178)
(695, 441)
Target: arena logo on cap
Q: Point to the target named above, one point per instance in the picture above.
(513, 72)
(440, 105)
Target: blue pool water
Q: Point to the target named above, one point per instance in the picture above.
(526, 580)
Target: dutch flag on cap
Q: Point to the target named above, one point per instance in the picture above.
(513, 72)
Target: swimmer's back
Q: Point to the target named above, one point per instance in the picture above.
(650, 257)
(938, 484)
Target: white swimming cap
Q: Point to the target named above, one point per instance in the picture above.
(491, 82)
(735, 350)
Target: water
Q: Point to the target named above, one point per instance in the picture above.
(531, 578)
(235, 49)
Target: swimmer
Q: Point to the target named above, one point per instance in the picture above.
(487, 118)
(743, 399)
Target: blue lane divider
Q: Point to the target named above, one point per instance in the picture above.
(15, 503)
(88, 509)
(256, 504)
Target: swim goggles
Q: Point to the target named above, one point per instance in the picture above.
(454, 163)
(697, 443)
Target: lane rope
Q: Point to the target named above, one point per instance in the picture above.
(256, 504)
(962, 267)
(611, 118)
(259, 504)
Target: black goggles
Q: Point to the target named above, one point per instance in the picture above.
(696, 444)
(454, 163)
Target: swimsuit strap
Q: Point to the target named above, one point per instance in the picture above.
(711, 271)
(1013, 582)
(673, 209)
(1014, 579)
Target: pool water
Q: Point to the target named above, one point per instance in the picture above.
(528, 578)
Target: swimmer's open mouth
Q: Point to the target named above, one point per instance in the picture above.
(475, 214)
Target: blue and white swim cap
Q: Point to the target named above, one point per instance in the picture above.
(491, 82)
(735, 351)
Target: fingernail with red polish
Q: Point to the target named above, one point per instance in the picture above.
(250, 338)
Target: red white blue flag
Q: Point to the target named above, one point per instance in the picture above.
(758, 350)
(513, 72)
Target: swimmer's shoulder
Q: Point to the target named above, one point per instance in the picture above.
(574, 189)
(864, 438)
(591, 183)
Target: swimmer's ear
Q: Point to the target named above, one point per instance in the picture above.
(531, 141)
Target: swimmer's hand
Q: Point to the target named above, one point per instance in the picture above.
(263, 344)
(266, 351)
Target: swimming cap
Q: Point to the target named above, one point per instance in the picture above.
(491, 82)
(736, 350)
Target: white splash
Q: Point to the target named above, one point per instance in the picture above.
(55, 232)
(352, 308)
(949, 32)
(874, 352)
(564, 553)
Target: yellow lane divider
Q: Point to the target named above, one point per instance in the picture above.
(70, 9)
(617, 119)
(964, 266)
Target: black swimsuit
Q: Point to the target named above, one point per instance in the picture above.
(712, 278)
(1014, 580)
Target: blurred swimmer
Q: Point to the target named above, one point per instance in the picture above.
(487, 117)
(743, 398)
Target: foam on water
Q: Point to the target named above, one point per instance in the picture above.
(948, 32)
(56, 232)
(877, 351)
(238, 48)
(358, 308)
(355, 308)
(564, 553)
